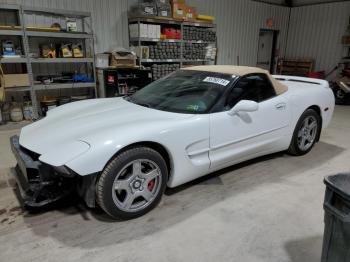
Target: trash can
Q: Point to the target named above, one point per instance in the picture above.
(336, 239)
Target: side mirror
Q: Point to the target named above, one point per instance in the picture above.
(244, 106)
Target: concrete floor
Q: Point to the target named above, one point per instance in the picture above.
(269, 209)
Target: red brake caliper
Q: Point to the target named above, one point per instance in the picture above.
(150, 185)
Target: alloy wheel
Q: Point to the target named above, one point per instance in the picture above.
(307, 133)
(136, 185)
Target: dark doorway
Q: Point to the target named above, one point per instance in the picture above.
(267, 49)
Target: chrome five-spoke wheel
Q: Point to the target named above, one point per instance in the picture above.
(132, 183)
(136, 185)
(307, 133)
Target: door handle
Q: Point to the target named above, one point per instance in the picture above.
(281, 106)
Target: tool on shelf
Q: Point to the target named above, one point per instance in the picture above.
(9, 49)
(77, 50)
(71, 25)
(66, 51)
(48, 51)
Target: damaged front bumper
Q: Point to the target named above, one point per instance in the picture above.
(39, 184)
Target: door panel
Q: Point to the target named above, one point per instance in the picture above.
(244, 134)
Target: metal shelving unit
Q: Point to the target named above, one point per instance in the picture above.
(155, 20)
(139, 41)
(145, 39)
(28, 34)
(161, 60)
(15, 60)
(61, 60)
(14, 31)
(199, 24)
(58, 34)
(9, 32)
(62, 86)
(21, 89)
(56, 12)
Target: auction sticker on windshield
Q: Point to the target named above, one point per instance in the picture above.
(216, 80)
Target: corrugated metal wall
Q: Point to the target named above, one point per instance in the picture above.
(109, 17)
(316, 31)
(238, 23)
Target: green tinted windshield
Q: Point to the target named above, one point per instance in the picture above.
(185, 91)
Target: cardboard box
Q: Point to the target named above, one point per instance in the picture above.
(122, 60)
(150, 31)
(153, 31)
(163, 9)
(191, 13)
(156, 31)
(134, 30)
(179, 10)
(143, 8)
(143, 30)
(102, 60)
(159, 29)
(15, 80)
(141, 51)
(164, 12)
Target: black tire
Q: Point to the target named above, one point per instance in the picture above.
(294, 148)
(105, 182)
(341, 97)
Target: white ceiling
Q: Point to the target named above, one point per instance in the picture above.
(300, 2)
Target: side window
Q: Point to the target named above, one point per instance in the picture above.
(256, 87)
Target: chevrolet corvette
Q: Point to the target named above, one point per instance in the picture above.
(121, 153)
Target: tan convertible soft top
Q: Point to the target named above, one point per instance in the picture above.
(240, 71)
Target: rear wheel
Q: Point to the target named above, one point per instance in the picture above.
(132, 184)
(306, 133)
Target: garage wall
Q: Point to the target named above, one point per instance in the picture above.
(238, 23)
(316, 31)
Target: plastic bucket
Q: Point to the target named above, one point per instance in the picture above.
(336, 239)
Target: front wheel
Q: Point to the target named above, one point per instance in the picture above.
(133, 183)
(306, 133)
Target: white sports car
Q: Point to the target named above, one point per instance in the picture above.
(123, 152)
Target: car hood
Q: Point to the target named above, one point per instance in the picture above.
(68, 126)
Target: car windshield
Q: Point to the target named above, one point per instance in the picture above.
(184, 91)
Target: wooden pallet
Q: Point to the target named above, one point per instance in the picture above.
(296, 67)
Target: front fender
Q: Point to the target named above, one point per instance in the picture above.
(187, 142)
(105, 144)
